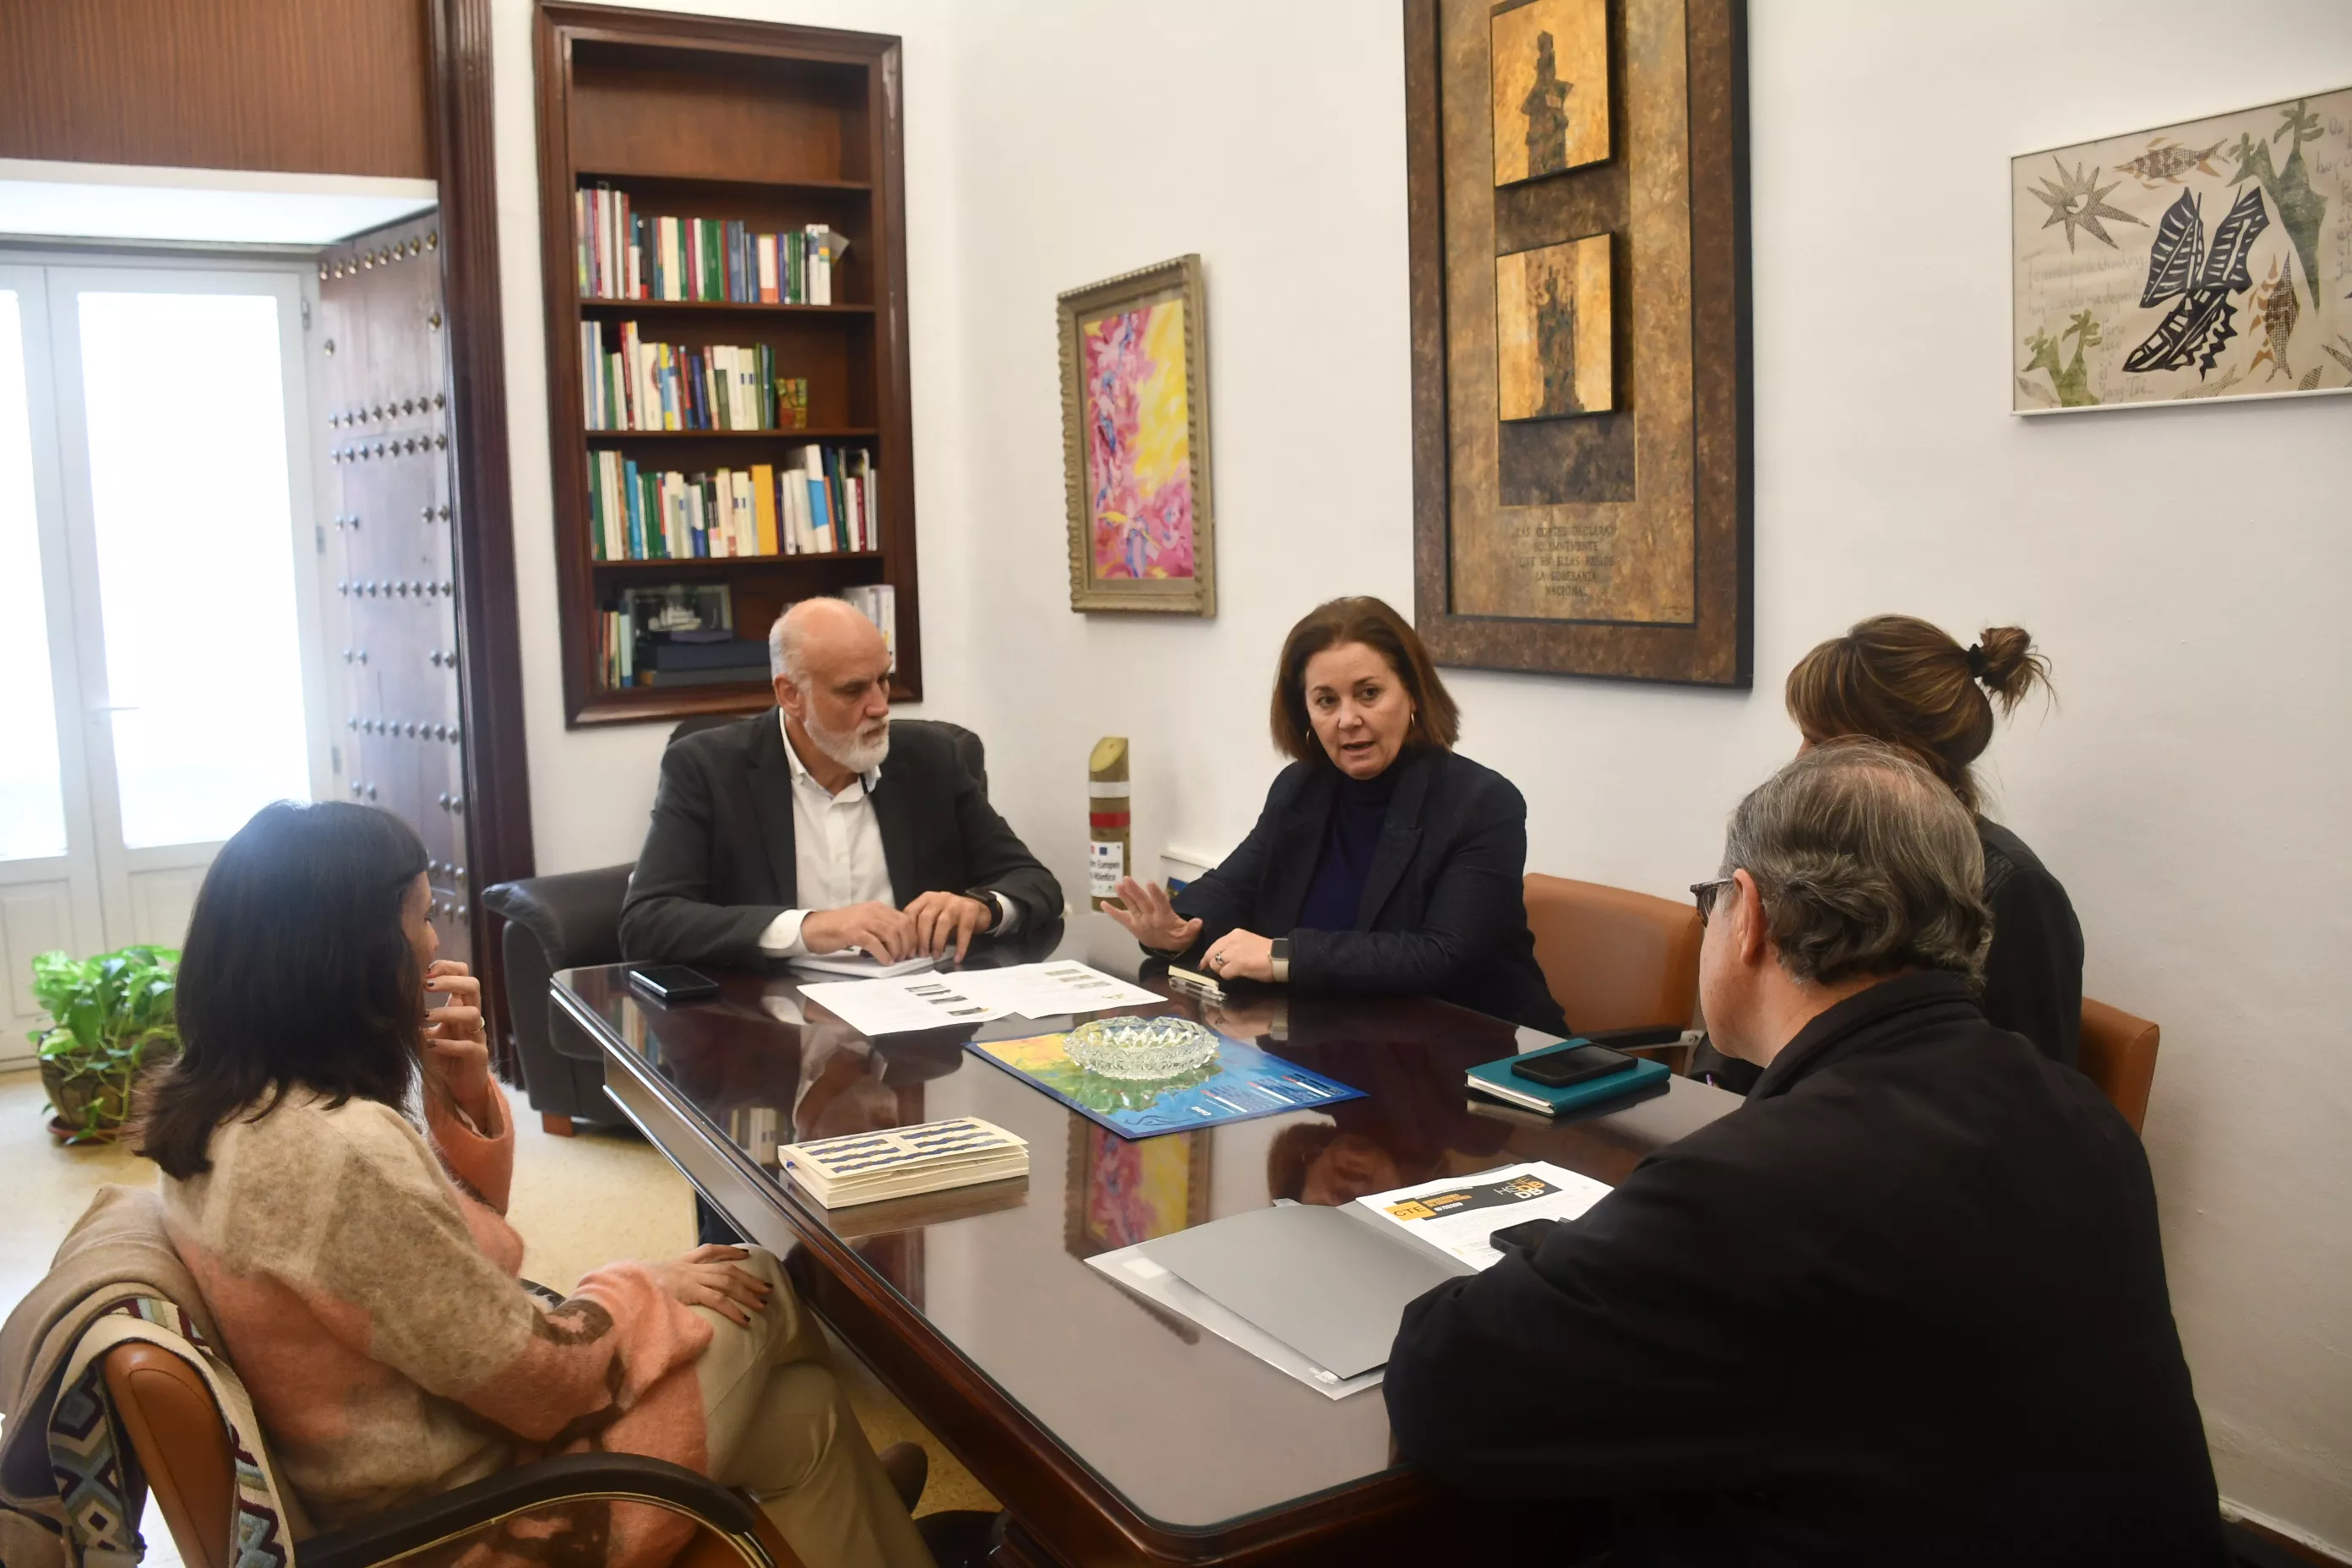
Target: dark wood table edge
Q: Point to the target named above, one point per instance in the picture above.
(1036, 1478)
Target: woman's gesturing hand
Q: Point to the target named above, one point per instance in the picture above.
(1154, 920)
(456, 1053)
(708, 1277)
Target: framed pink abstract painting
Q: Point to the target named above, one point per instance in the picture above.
(1136, 439)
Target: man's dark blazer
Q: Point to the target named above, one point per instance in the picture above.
(1444, 911)
(1907, 1304)
(719, 864)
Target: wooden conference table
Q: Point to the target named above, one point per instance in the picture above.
(1113, 1432)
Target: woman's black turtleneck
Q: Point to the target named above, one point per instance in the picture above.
(1360, 809)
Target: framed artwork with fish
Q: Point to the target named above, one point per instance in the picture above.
(1576, 184)
(1135, 434)
(2201, 260)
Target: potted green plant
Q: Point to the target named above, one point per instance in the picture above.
(111, 1017)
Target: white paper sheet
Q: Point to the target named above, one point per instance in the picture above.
(907, 1002)
(1042, 990)
(1456, 1216)
(1150, 1280)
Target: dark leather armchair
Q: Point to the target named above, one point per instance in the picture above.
(571, 919)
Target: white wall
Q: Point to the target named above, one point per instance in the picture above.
(2181, 567)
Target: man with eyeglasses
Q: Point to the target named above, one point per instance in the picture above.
(1907, 1304)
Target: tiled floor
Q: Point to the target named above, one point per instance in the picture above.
(578, 1202)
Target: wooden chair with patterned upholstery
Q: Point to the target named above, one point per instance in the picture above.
(169, 1419)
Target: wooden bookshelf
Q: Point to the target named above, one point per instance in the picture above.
(777, 127)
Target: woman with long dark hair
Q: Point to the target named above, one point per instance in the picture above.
(336, 1162)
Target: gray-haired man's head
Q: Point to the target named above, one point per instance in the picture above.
(830, 670)
(1851, 864)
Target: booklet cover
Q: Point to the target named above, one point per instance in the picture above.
(1239, 1083)
(1457, 1216)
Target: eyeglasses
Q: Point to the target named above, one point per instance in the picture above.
(1702, 894)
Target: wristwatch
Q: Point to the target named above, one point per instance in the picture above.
(988, 902)
(1281, 957)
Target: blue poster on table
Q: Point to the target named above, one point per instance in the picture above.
(1239, 1083)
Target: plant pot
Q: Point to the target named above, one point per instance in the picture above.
(89, 1106)
(80, 1101)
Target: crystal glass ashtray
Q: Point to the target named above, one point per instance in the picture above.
(1141, 1048)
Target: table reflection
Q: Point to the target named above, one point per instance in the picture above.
(993, 1279)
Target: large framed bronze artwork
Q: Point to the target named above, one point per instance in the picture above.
(1583, 496)
(1135, 432)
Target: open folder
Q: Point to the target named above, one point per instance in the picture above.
(1318, 1293)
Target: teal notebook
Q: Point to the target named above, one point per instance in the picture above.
(1497, 1081)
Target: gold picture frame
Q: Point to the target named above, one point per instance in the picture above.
(1135, 434)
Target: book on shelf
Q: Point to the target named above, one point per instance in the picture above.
(878, 602)
(628, 383)
(820, 500)
(623, 254)
(729, 675)
(673, 634)
(681, 653)
(616, 642)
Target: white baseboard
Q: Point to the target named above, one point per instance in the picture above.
(1179, 866)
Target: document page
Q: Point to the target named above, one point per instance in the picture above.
(1042, 990)
(905, 1002)
(1456, 1216)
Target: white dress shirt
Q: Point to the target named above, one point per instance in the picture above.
(837, 854)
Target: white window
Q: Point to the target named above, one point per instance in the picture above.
(161, 675)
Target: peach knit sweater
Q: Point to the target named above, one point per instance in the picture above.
(366, 1282)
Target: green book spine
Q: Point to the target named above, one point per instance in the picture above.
(596, 508)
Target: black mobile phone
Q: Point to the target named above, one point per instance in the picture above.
(1524, 1237)
(1558, 1069)
(673, 983)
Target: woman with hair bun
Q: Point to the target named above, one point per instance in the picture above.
(1899, 680)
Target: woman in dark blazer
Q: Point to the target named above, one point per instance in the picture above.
(1383, 861)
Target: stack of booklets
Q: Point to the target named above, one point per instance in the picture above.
(623, 254)
(628, 383)
(821, 501)
(864, 1167)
